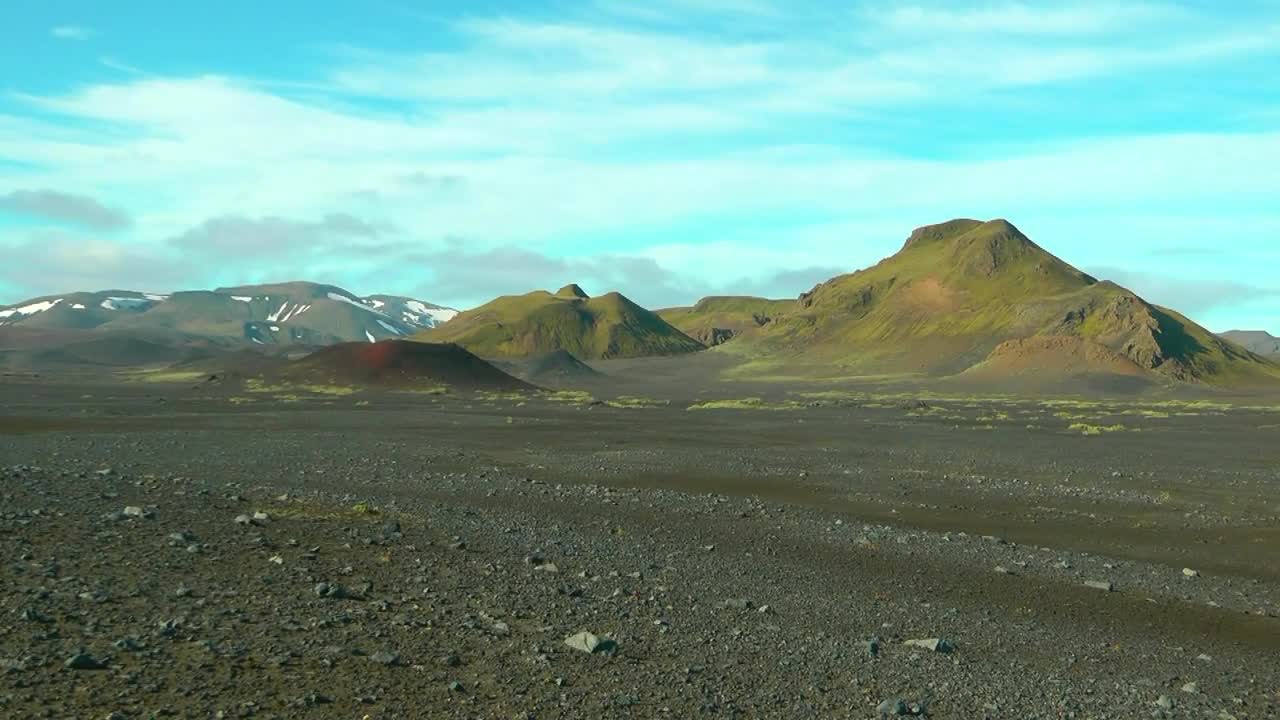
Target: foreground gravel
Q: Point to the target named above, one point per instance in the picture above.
(316, 572)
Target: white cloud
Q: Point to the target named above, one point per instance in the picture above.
(539, 134)
(71, 32)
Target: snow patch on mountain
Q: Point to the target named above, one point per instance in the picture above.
(242, 298)
(390, 328)
(369, 335)
(125, 303)
(31, 309)
(354, 303)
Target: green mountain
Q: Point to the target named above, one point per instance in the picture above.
(979, 296)
(718, 319)
(521, 326)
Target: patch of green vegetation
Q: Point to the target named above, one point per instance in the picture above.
(630, 401)
(296, 391)
(364, 508)
(1086, 429)
(165, 375)
(570, 396)
(496, 396)
(425, 390)
(750, 403)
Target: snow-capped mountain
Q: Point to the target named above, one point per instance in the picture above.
(280, 313)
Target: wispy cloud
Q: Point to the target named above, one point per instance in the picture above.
(71, 32)
(556, 133)
(64, 207)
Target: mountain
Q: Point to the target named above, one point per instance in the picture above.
(718, 319)
(283, 313)
(971, 296)
(521, 326)
(1258, 341)
(398, 363)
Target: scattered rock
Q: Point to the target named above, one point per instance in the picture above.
(82, 661)
(1188, 572)
(590, 643)
(1104, 585)
(931, 644)
(385, 657)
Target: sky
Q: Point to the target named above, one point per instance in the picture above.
(669, 149)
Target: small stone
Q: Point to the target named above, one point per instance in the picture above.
(548, 568)
(135, 511)
(1188, 572)
(1191, 688)
(590, 643)
(1002, 570)
(892, 707)
(385, 658)
(1165, 702)
(451, 660)
(1104, 585)
(937, 645)
(736, 604)
(456, 686)
(243, 520)
(81, 661)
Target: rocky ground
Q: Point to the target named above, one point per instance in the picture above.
(177, 553)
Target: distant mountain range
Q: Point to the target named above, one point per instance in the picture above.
(1258, 341)
(538, 323)
(961, 299)
(300, 313)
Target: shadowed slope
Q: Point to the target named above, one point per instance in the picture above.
(398, 363)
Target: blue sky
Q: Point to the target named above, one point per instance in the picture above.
(455, 151)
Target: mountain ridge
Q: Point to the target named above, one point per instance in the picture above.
(540, 322)
(958, 290)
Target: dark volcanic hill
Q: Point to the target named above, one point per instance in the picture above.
(967, 293)
(398, 363)
(522, 326)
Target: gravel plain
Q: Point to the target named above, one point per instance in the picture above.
(171, 551)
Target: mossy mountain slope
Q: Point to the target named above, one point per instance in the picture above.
(959, 290)
(537, 323)
(718, 319)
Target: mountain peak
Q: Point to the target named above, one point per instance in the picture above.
(572, 290)
(952, 231)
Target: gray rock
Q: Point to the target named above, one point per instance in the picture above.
(1165, 702)
(136, 512)
(385, 657)
(590, 643)
(1104, 585)
(1188, 572)
(736, 604)
(931, 644)
(243, 520)
(82, 661)
(1191, 688)
(892, 708)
